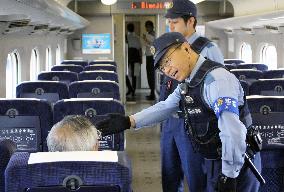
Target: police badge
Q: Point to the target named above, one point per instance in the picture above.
(169, 5)
(153, 50)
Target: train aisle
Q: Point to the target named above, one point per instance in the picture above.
(143, 148)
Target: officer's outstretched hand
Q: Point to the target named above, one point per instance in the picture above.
(226, 184)
(115, 123)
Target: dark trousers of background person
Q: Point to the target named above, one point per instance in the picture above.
(133, 57)
(133, 77)
(150, 75)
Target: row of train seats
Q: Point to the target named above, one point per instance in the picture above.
(251, 74)
(266, 103)
(26, 121)
(268, 87)
(79, 68)
(68, 76)
(74, 70)
(53, 91)
(240, 64)
(85, 63)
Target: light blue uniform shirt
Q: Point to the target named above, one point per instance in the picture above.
(218, 83)
(212, 52)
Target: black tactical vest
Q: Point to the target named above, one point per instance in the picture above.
(168, 84)
(201, 122)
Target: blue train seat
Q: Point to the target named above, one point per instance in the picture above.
(248, 75)
(245, 87)
(102, 62)
(94, 89)
(26, 122)
(267, 115)
(268, 87)
(95, 109)
(106, 67)
(68, 67)
(255, 66)
(62, 76)
(83, 63)
(230, 66)
(7, 148)
(273, 74)
(233, 61)
(50, 90)
(99, 171)
(98, 75)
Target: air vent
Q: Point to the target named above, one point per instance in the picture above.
(63, 30)
(229, 31)
(272, 29)
(54, 29)
(248, 30)
(19, 23)
(40, 27)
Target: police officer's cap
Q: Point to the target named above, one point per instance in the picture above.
(178, 8)
(163, 43)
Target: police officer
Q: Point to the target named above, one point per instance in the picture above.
(177, 155)
(215, 112)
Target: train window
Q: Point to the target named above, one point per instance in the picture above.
(246, 53)
(34, 66)
(48, 59)
(12, 74)
(269, 56)
(58, 55)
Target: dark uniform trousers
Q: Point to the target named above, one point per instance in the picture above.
(150, 73)
(179, 159)
(246, 181)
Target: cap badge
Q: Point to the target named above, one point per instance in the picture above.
(177, 40)
(168, 5)
(153, 50)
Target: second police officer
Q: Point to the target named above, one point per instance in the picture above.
(177, 155)
(215, 112)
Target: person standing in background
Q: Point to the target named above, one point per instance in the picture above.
(148, 38)
(134, 57)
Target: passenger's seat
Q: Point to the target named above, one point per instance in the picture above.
(26, 122)
(7, 148)
(98, 75)
(95, 109)
(267, 115)
(62, 76)
(94, 89)
(52, 91)
(92, 171)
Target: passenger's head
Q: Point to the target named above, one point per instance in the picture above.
(149, 26)
(130, 27)
(73, 133)
(174, 56)
(182, 17)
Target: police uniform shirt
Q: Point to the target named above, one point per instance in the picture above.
(211, 51)
(218, 83)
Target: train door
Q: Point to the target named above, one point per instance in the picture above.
(139, 29)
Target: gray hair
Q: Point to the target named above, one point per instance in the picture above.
(72, 133)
